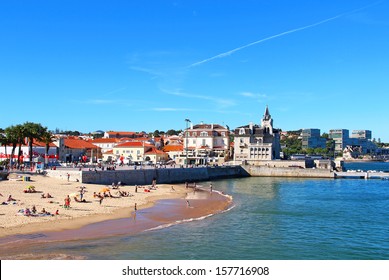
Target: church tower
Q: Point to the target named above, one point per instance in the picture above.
(267, 122)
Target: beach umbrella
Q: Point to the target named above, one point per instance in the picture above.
(103, 190)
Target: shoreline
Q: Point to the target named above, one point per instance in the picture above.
(160, 209)
(79, 214)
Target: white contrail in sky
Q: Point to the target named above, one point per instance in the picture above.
(279, 35)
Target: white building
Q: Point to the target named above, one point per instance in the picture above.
(254, 143)
(206, 144)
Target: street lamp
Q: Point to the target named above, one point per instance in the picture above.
(186, 140)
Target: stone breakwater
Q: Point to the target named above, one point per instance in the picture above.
(146, 176)
(182, 175)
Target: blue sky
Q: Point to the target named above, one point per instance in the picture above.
(146, 65)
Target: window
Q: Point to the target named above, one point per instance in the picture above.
(223, 133)
(204, 133)
(241, 131)
(194, 134)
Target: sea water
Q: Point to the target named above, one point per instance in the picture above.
(272, 218)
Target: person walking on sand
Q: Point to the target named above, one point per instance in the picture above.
(67, 202)
(135, 208)
(68, 177)
(187, 204)
(101, 199)
(210, 187)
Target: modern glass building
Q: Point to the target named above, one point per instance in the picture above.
(311, 139)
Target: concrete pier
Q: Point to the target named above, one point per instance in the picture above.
(362, 175)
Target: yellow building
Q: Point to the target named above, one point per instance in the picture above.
(132, 151)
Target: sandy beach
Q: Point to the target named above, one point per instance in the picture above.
(163, 206)
(13, 221)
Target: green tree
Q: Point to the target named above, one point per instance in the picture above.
(33, 131)
(4, 141)
(15, 137)
(171, 132)
(47, 138)
(156, 133)
(292, 144)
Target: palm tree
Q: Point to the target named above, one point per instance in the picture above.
(15, 136)
(33, 131)
(47, 138)
(4, 141)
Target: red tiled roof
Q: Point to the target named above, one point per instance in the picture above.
(154, 151)
(173, 148)
(131, 144)
(79, 144)
(36, 143)
(121, 132)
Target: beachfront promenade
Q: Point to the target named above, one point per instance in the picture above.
(170, 175)
(145, 175)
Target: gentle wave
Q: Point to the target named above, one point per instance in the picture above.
(189, 220)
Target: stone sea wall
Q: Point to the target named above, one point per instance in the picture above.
(182, 175)
(146, 176)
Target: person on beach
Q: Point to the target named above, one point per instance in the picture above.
(186, 185)
(135, 208)
(210, 187)
(27, 212)
(68, 177)
(82, 191)
(187, 204)
(67, 202)
(101, 199)
(33, 209)
(136, 188)
(10, 198)
(173, 189)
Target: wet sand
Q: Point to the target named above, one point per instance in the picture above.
(163, 213)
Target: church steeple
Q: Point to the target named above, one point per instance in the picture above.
(267, 122)
(267, 115)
